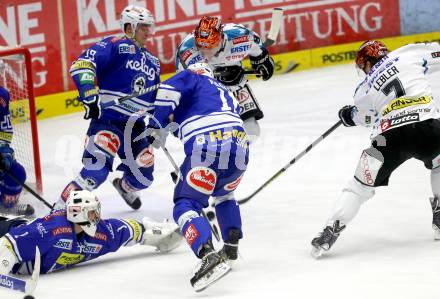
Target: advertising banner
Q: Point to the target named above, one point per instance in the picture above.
(56, 31)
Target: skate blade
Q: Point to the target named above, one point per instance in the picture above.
(213, 276)
(317, 252)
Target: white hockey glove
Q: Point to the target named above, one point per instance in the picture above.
(164, 236)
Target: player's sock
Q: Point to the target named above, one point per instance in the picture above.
(130, 197)
(435, 205)
(212, 267)
(325, 239)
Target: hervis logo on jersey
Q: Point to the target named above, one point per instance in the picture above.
(401, 103)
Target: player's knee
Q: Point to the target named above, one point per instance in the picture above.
(364, 192)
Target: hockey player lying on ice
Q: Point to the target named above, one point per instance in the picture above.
(75, 235)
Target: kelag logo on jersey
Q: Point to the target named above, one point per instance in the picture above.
(389, 123)
(238, 49)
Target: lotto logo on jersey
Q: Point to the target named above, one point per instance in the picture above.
(401, 103)
(145, 158)
(108, 141)
(202, 179)
(241, 39)
(191, 234)
(389, 123)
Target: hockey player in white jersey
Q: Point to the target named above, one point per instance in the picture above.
(396, 100)
(223, 47)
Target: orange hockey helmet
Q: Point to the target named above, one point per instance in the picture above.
(371, 50)
(208, 33)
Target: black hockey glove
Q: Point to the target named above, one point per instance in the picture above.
(229, 75)
(6, 156)
(92, 105)
(346, 115)
(263, 65)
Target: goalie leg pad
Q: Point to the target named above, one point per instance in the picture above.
(195, 228)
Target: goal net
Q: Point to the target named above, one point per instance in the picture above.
(16, 77)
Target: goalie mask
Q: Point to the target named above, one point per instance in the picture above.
(135, 15)
(371, 51)
(208, 36)
(201, 68)
(84, 209)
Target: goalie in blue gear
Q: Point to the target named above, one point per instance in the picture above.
(12, 173)
(75, 235)
(121, 66)
(216, 149)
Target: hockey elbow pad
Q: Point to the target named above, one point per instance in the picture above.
(263, 65)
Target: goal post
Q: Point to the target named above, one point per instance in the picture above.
(16, 77)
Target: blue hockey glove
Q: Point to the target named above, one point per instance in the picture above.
(346, 115)
(6, 157)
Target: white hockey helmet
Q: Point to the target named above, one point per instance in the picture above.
(84, 209)
(135, 15)
(201, 68)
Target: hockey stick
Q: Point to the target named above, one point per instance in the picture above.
(175, 178)
(275, 25)
(291, 162)
(26, 286)
(29, 189)
(130, 96)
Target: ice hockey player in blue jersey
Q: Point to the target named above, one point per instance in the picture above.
(75, 235)
(224, 47)
(121, 66)
(216, 149)
(10, 190)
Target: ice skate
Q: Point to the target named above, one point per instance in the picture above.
(325, 240)
(435, 205)
(229, 252)
(212, 267)
(131, 198)
(25, 210)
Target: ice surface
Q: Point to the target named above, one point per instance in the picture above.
(388, 251)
